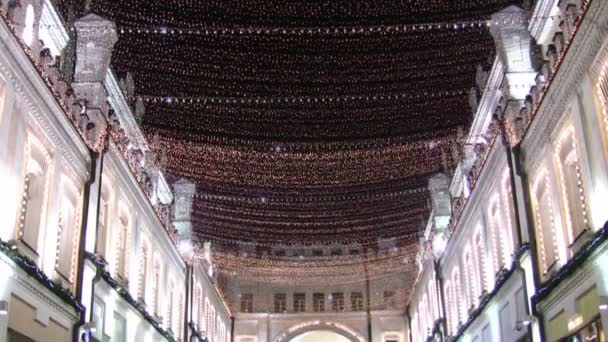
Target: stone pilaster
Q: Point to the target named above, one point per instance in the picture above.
(95, 39)
(520, 55)
(25, 15)
(439, 186)
(183, 192)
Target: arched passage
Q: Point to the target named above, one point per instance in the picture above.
(303, 332)
(320, 336)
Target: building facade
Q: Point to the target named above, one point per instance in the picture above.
(95, 242)
(519, 258)
(93, 245)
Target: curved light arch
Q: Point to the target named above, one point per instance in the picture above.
(308, 326)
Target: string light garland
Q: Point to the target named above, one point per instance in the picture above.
(305, 123)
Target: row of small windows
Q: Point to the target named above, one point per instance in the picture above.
(319, 300)
(315, 253)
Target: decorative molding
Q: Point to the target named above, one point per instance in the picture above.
(581, 52)
(474, 207)
(43, 107)
(502, 283)
(488, 102)
(600, 62)
(580, 267)
(124, 294)
(51, 19)
(540, 15)
(124, 112)
(43, 288)
(132, 189)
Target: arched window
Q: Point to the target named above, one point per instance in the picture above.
(104, 221)
(509, 212)
(212, 327)
(431, 291)
(35, 194)
(68, 231)
(471, 277)
(2, 98)
(171, 324)
(156, 292)
(498, 228)
(421, 315)
(200, 310)
(457, 293)
(451, 313)
(143, 271)
(180, 317)
(208, 317)
(416, 329)
(480, 258)
(28, 29)
(122, 247)
(573, 195)
(545, 224)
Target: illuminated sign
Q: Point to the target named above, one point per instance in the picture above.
(574, 322)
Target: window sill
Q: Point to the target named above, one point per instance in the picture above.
(551, 269)
(27, 250)
(60, 278)
(122, 281)
(580, 241)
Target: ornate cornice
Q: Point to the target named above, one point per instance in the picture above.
(583, 264)
(124, 175)
(49, 293)
(578, 58)
(42, 105)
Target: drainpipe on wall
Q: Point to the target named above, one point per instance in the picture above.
(232, 329)
(509, 153)
(533, 247)
(409, 323)
(368, 300)
(96, 164)
(187, 304)
(439, 290)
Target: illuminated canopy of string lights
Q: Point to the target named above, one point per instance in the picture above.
(310, 124)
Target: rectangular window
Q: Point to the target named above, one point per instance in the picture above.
(317, 252)
(354, 252)
(318, 302)
(98, 317)
(520, 304)
(34, 204)
(120, 328)
(486, 333)
(506, 323)
(299, 302)
(337, 301)
(280, 253)
(356, 301)
(247, 302)
(280, 302)
(336, 252)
